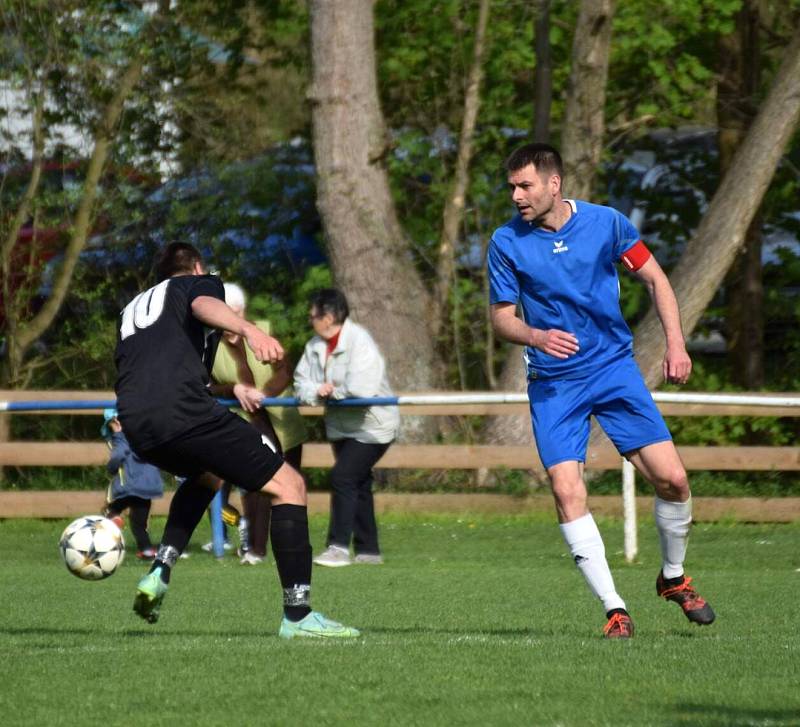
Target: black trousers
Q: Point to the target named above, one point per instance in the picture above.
(352, 504)
(139, 512)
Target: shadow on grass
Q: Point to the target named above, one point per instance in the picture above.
(128, 633)
(726, 714)
(521, 633)
(156, 631)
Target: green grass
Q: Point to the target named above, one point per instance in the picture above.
(473, 620)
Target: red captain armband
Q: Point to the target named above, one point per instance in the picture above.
(637, 256)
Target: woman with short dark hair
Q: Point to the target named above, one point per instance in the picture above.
(342, 361)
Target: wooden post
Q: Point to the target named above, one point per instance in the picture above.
(629, 510)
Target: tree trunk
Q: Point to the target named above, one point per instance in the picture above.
(582, 144)
(453, 215)
(28, 333)
(14, 306)
(584, 119)
(737, 103)
(543, 75)
(745, 311)
(721, 233)
(369, 253)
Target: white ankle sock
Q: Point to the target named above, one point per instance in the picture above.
(673, 520)
(589, 553)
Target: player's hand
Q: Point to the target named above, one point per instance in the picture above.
(114, 425)
(325, 390)
(558, 344)
(266, 348)
(677, 365)
(249, 397)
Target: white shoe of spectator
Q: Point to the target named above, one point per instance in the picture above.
(369, 559)
(334, 556)
(209, 547)
(250, 558)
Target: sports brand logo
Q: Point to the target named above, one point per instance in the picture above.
(559, 246)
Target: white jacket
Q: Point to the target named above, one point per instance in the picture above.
(356, 369)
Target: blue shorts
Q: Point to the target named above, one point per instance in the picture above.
(617, 397)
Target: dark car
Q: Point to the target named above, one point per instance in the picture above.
(664, 182)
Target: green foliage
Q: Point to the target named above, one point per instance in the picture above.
(663, 59)
(729, 430)
(288, 314)
(711, 484)
(226, 81)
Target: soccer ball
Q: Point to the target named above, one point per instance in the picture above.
(92, 547)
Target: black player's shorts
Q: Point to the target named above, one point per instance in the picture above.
(228, 447)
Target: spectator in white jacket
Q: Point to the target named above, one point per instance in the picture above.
(342, 361)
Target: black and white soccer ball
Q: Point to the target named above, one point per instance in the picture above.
(92, 547)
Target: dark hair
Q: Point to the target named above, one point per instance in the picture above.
(330, 300)
(544, 158)
(176, 258)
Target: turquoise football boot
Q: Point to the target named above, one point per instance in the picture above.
(149, 594)
(316, 626)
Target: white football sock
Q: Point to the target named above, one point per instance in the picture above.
(673, 520)
(589, 553)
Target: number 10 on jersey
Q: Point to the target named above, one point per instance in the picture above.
(143, 310)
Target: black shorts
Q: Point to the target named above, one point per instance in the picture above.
(228, 447)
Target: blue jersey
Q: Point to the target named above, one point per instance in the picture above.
(566, 280)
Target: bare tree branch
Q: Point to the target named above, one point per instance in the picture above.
(81, 225)
(454, 205)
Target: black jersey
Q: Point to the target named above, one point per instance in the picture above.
(163, 358)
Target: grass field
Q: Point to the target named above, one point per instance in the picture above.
(472, 621)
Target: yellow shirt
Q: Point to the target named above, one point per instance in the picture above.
(287, 421)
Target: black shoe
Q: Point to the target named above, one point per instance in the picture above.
(693, 605)
(619, 625)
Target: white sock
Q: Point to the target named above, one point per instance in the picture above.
(673, 520)
(589, 553)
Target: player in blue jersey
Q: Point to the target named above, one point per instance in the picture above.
(557, 259)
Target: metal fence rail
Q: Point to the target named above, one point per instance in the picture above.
(444, 456)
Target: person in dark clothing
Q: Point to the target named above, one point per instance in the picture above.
(167, 339)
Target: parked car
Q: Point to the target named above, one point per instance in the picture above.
(43, 236)
(664, 182)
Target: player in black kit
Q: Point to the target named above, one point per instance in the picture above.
(167, 339)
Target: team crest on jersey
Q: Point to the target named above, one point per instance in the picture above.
(559, 246)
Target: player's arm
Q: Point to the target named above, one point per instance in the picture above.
(677, 365)
(280, 379)
(213, 312)
(508, 326)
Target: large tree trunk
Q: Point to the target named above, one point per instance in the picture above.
(453, 214)
(543, 74)
(582, 144)
(737, 103)
(369, 253)
(584, 119)
(721, 234)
